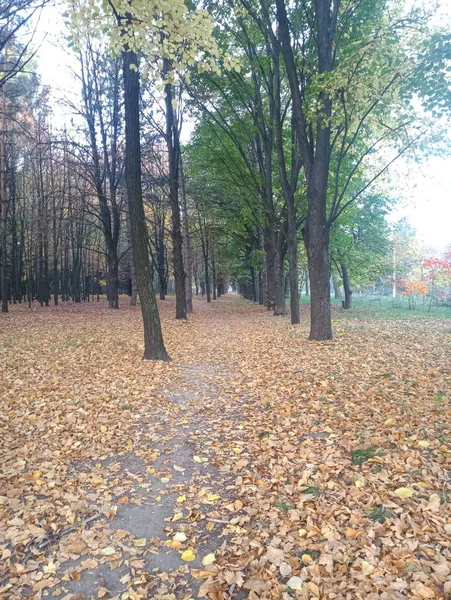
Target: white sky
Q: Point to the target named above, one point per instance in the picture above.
(425, 188)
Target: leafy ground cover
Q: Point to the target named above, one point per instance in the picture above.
(255, 465)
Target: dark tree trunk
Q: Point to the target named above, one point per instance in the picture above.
(113, 279)
(271, 270)
(4, 209)
(293, 262)
(187, 255)
(337, 293)
(173, 144)
(254, 284)
(153, 339)
(347, 303)
(280, 307)
(213, 273)
(134, 294)
(316, 237)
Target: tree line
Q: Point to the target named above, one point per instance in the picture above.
(300, 110)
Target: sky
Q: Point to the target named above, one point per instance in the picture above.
(424, 189)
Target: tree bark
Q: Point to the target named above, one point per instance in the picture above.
(316, 237)
(134, 294)
(173, 145)
(347, 303)
(337, 293)
(293, 262)
(4, 210)
(153, 339)
(187, 254)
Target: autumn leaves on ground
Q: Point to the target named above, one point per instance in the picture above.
(255, 465)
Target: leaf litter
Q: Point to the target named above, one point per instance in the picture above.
(256, 464)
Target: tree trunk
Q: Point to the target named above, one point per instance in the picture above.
(346, 285)
(153, 339)
(187, 254)
(280, 307)
(317, 246)
(173, 144)
(254, 284)
(213, 273)
(4, 208)
(113, 279)
(134, 294)
(337, 293)
(293, 262)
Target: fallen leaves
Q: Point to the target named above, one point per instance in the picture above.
(302, 468)
(209, 559)
(188, 555)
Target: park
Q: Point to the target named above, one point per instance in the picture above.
(225, 280)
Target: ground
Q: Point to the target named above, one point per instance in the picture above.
(255, 465)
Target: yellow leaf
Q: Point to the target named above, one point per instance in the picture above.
(306, 559)
(181, 499)
(103, 429)
(209, 559)
(140, 543)
(188, 555)
(366, 567)
(213, 497)
(404, 492)
(313, 588)
(351, 533)
(295, 583)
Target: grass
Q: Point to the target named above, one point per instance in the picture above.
(380, 514)
(364, 309)
(361, 455)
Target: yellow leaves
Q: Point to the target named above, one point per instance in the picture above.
(188, 555)
(209, 559)
(103, 428)
(423, 444)
(108, 551)
(313, 589)
(404, 492)
(306, 559)
(367, 568)
(302, 532)
(351, 533)
(140, 543)
(295, 583)
(50, 568)
(181, 499)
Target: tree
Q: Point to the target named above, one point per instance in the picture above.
(100, 82)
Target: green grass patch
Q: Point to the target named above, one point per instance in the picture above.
(379, 513)
(361, 455)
